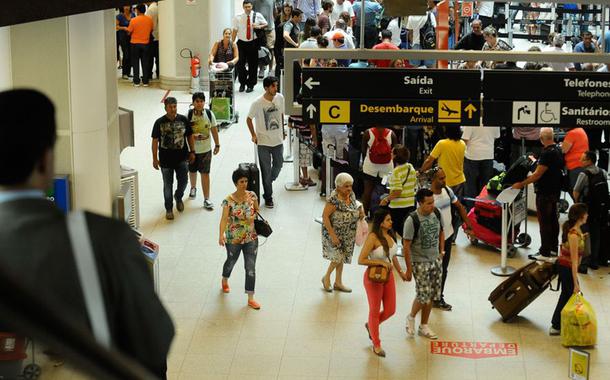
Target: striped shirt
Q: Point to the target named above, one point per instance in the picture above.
(399, 181)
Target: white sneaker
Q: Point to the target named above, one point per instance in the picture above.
(193, 193)
(208, 205)
(410, 326)
(425, 331)
(136, 84)
(554, 332)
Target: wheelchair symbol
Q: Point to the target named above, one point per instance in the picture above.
(548, 116)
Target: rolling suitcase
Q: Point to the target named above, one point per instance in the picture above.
(253, 178)
(521, 289)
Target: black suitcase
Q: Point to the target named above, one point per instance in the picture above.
(519, 290)
(253, 178)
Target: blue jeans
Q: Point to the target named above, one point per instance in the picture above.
(477, 173)
(168, 183)
(250, 250)
(417, 62)
(271, 159)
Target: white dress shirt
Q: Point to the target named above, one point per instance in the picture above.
(240, 23)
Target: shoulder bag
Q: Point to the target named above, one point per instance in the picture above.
(89, 277)
(379, 273)
(261, 226)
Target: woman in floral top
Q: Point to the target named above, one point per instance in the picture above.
(340, 215)
(237, 233)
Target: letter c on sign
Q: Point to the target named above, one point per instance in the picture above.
(332, 114)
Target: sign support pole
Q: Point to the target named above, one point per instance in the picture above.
(504, 270)
(295, 185)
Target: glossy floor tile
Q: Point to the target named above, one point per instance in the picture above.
(302, 332)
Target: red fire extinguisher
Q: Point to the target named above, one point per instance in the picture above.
(195, 63)
(195, 66)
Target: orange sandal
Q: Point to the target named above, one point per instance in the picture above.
(253, 304)
(225, 287)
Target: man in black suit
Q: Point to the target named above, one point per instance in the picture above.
(36, 249)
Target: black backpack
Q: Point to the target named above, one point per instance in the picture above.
(416, 222)
(427, 35)
(598, 197)
(385, 22)
(208, 112)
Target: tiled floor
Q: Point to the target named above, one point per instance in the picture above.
(302, 332)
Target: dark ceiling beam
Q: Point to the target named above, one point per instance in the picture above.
(33, 10)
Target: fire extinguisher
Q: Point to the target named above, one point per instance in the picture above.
(195, 63)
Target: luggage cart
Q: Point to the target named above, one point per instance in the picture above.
(513, 213)
(13, 353)
(222, 97)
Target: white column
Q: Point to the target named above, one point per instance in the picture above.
(94, 110)
(72, 60)
(6, 81)
(195, 27)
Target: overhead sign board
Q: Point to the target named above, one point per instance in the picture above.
(547, 113)
(547, 85)
(392, 111)
(388, 83)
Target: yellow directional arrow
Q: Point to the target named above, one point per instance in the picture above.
(470, 109)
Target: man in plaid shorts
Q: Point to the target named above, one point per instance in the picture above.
(423, 249)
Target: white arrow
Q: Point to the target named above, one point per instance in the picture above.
(310, 83)
(311, 109)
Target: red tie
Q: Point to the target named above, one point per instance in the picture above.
(248, 29)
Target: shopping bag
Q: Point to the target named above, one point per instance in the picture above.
(221, 108)
(362, 231)
(578, 323)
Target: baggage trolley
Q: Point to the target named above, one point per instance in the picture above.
(516, 214)
(222, 97)
(13, 353)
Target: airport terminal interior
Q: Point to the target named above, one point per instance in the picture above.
(302, 331)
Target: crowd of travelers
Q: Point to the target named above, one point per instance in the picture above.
(414, 184)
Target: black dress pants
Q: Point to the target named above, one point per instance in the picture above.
(248, 54)
(140, 53)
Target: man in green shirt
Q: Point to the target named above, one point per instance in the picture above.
(203, 123)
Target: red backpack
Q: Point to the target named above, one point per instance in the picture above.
(381, 150)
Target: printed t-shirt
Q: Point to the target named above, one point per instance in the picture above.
(172, 136)
(268, 121)
(426, 247)
(202, 130)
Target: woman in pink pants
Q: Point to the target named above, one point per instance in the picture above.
(379, 250)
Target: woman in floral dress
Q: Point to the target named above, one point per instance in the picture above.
(340, 216)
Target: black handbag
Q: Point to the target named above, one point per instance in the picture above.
(261, 226)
